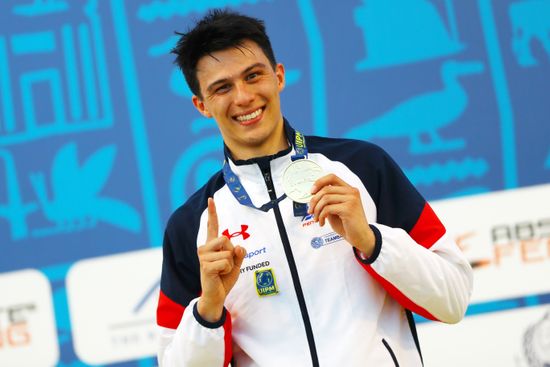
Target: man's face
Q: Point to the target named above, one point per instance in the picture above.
(240, 91)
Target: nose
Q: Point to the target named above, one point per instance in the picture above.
(243, 94)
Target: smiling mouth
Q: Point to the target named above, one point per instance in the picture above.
(249, 117)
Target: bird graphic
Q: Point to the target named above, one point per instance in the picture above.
(76, 203)
(425, 114)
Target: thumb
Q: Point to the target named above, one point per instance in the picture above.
(239, 254)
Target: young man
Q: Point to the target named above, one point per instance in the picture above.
(302, 251)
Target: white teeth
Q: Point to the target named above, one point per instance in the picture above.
(250, 116)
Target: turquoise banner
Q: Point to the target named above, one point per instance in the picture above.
(99, 140)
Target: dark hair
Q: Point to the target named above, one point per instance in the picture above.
(218, 30)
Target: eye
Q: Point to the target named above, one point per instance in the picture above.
(222, 89)
(252, 76)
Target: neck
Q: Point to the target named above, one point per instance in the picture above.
(255, 152)
(270, 146)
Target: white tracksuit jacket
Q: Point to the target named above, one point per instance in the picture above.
(322, 304)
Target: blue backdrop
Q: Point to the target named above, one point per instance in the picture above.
(99, 141)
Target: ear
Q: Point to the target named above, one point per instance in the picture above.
(200, 106)
(280, 74)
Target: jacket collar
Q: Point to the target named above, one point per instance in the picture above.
(249, 171)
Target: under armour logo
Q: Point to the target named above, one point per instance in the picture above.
(243, 233)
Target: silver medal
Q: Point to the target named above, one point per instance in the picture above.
(298, 179)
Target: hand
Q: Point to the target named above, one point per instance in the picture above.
(220, 265)
(335, 200)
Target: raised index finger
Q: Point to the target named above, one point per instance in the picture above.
(212, 224)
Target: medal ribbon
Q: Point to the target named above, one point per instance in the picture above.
(299, 146)
(239, 192)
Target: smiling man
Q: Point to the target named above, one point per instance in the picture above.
(239, 88)
(302, 250)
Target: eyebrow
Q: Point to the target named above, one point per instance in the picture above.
(224, 80)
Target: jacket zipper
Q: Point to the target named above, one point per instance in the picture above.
(266, 172)
(412, 326)
(391, 352)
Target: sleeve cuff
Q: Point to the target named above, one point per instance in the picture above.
(208, 324)
(377, 247)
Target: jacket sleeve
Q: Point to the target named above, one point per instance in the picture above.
(416, 261)
(187, 340)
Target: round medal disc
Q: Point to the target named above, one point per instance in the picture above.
(298, 179)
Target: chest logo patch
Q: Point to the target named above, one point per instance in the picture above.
(242, 232)
(266, 285)
(327, 239)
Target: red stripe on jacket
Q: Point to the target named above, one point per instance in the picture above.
(169, 313)
(427, 231)
(227, 327)
(397, 295)
(428, 228)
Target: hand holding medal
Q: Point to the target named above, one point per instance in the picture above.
(335, 200)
